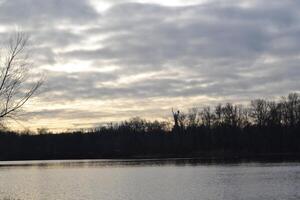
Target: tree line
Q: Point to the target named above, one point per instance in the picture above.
(263, 129)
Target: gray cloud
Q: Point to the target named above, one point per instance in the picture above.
(215, 43)
(43, 13)
(209, 44)
(155, 36)
(61, 87)
(215, 49)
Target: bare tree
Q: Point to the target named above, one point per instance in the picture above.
(259, 111)
(176, 118)
(193, 117)
(290, 104)
(207, 117)
(16, 84)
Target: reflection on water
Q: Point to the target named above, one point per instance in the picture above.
(102, 162)
(147, 179)
(110, 162)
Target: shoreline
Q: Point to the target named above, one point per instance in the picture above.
(205, 159)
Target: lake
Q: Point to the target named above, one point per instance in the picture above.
(148, 180)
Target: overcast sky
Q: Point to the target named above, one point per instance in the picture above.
(115, 59)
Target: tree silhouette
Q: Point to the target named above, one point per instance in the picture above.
(176, 117)
(263, 130)
(15, 88)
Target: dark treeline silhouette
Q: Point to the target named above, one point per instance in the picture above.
(264, 129)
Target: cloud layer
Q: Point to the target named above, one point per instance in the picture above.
(133, 55)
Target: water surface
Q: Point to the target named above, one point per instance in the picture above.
(148, 180)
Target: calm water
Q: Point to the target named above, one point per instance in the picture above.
(148, 180)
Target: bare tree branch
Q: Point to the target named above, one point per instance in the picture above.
(15, 89)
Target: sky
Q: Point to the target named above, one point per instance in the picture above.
(110, 60)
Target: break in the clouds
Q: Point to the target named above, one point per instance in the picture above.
(112, 60)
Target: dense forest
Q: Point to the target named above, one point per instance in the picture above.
(263, 129)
